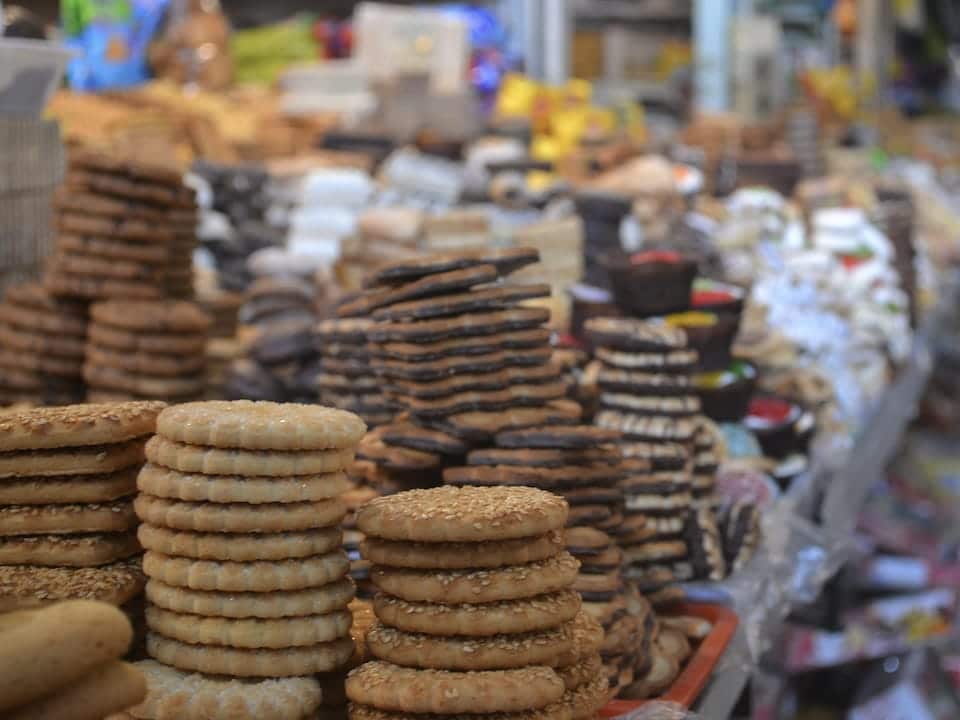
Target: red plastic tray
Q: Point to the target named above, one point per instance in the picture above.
(695, 674)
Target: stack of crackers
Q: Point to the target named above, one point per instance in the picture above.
(63, 662)
(645, 393)
(346, 379)
(67, 525)
(41, 347)
(241, 525)
(146, 349)
(124, 230)
(476, 612)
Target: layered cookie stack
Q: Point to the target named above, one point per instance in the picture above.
(41, 347)
(242, 530)
(124, 230)
(67, 525)
(346, 379)
(146, 349)
(476, 611)
(644, 381)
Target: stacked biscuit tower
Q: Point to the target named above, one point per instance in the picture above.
(146, 349)
(67, 524)
(41, 347)
(645, 394)
(124, 230)
(348, 381)
(246, 574)
(476, 612)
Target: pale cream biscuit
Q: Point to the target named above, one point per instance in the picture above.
(277, 604)
(217, 461)
(166, 483)
(176, 695)
(261, 425)
(240, 547)
(289, 662)
(237, 517)
(151, 386)
(111, 687)
(265, 576)
(250, 633)
(478, 586)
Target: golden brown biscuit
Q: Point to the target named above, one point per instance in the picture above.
(77, 425)
(458, 556)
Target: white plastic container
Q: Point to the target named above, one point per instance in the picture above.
(30, 72)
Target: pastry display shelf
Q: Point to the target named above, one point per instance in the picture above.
(843, 494)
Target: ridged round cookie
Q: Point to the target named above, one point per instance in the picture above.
(77, 425)
(102, 377)
(463, 514)
(219, 461)
(261, 425)
(389, 687)
(266, 576)
(175, 695)
(69, 488)
(61, 519)
(478, 586)
(587, 700)
(214, 660)
(557, 711)
(151, 316)
(250, 633)
(86, 460)
(581, 673)
(239, 517)
(468, 654)
(68, 550)
(153, 364)
(155, 342)
(239, 547)
(166, 483)
(459, 556)
(479, 620)
(277, 604)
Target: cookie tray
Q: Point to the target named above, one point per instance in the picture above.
(696, 673)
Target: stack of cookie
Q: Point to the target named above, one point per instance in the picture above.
(41, 347)
(709, 449)
(277, 321)
(124, 230)
(346, 380)
(146, 349)
(66, 519)
(644, 381)
(241, 525)
(476, 612)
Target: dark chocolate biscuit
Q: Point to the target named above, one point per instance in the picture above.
(283, 342)
(520, 318)
(658, 505)
(656, 483)
(351, 331)
(469, 364)
(640, 383)
(650, 428)
(543, 457)
(347, 368)
(705, 462)
(356, 353)
(472, 382)
(706, 546)
(740, 526)
(483, 426)
(655, 553)
(346, 384)
(391, 457)
(634, 335)
(546, 478)
(589, 515)
(607, 561)
(515, 395)
(429, 286)
(670, 405)
(675, 361)
(478, 300)
(586, 541)
(592, 495)
(480, 345)
(413, 437)
(505, 260)
(598, 583)
(660, 455)
(567, 437)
